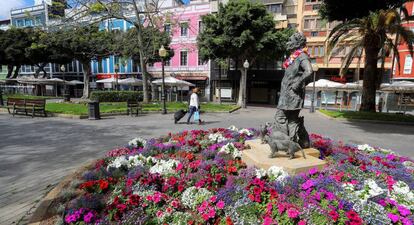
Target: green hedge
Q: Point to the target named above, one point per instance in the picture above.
(116, 96)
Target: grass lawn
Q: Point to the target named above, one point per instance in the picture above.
(82, 108)
(369, 116)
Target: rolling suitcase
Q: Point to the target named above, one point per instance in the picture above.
(179, 115)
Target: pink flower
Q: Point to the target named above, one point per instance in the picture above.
(302, 222)
(212, 213)
(267, 221)
(394, 218)
(205, 217)
(403, 211)
(179, 167)
(292, 213)
(308, 184)
(313, 171)
(88, 217)
(213, 199)
(159, 213)
(220, 204)
(406, 221)
(156, 197)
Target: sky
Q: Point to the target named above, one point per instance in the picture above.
(6, 5)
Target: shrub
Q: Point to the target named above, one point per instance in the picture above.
(116, 96)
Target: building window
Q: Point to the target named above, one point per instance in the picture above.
(167, 28)
(313, 1)
(275, 8)
(200, 62)
(321, 51)
(20, 23)
(200, 26)
(184, 29)
(38, 21)
(100, 67)
(313, 23)
(408, 64)
(134, 67)
(183, 58)
(28, 22)
(314, 33)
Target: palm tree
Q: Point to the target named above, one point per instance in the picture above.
(374, 36)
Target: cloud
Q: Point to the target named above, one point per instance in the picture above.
(7, 5)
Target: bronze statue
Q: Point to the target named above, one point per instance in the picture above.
(298, 70)
(264, 130)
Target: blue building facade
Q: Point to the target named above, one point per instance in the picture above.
(39, 16)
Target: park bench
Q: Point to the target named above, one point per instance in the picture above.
(133, 106)
(19, 105)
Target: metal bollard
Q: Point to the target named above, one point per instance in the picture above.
(93, 110)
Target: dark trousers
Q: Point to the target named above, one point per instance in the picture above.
(192, 110)
(288, 122)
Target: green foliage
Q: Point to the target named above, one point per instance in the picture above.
(369, 116)
(345, 10)
(13, 45)
(116, 96)
(153, 38)
(241, 29)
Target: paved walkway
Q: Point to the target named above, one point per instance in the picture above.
(36, 153)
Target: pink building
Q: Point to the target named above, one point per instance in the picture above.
(184, 25)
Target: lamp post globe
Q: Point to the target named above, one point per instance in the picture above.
(162, 52)
(246, 65)
(315, 69)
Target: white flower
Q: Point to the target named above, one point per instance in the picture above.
(276, 173)
(261, 173)
(233, 128)
(137, 142)
(164, 167)
(408, 164)
(366, 148)
(402, 194)
(216, 137)
(348, 187)
(229, 148)
(370, 189)
(118, 162)
(246, 132)
(194, 196)
(136, 160)
(400, 187)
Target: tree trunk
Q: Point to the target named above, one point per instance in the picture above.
(86, 74)
(219, 85)
(370, 77)
(16, 71)
(9, 71)
(242, 89)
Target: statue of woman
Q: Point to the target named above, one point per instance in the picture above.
(298, 70)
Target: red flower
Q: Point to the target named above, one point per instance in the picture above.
(103, 185)
(229, 221)
(334, 215)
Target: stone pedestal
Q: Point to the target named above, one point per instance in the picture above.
(258, 155)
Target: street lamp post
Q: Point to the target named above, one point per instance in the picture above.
(1, 97)
(116, 76)
(246, 66)
(315, 69)
(65, 95)
(163, 53)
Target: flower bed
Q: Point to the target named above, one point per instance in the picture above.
(197, 177)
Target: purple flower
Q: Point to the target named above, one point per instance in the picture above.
(403, 210)
(88, 217)
(406, 221)
(394, 218)
(313, 171)
(308, 184)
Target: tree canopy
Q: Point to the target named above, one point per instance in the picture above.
(241, 30)
(153, 38)
(342, 10)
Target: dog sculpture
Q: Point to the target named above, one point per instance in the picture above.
(263, 132)
(279, 141)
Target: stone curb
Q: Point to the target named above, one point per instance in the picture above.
(367, 121)
(43, 207)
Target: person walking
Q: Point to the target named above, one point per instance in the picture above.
(194, 106)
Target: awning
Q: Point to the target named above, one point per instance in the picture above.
(202, 78)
